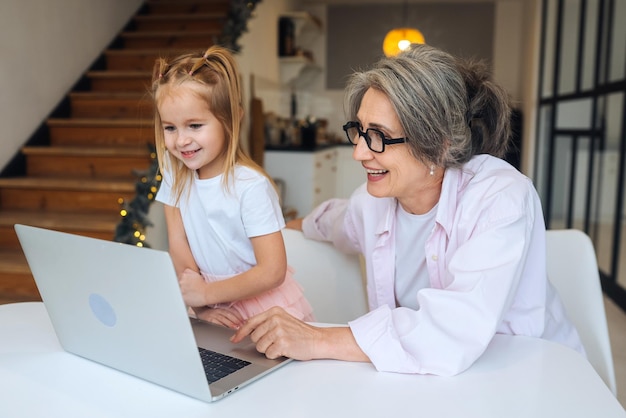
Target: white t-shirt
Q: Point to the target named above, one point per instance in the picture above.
(411, 270)
(220, 223)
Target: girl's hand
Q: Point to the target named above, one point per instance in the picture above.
(226, 317)
(193, 288)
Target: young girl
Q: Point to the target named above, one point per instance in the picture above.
(222, 211)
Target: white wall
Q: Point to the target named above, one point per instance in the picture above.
(529, 81)
(259, 52)
(516, 60)
(46, 46)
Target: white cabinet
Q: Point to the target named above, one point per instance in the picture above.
(308, 176)
(350, 173)
(324, 175)
(311, 177)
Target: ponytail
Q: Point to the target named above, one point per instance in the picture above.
(488, 114)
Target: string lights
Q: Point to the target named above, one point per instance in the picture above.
(135, 220)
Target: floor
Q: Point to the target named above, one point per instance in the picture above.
(617, 331)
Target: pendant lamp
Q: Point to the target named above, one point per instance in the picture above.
(399, 39)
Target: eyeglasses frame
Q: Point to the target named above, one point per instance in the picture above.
(368, 140)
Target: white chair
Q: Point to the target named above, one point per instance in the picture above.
(332, 281)
(573, 270)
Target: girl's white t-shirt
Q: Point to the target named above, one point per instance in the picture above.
(219, 223)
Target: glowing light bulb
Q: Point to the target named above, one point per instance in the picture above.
(404, 44)
(399, 39)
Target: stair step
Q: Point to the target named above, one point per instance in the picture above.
(177, 39)
(141, 60)
(71, 184)
(187, 6)
(64, 195)
(100, 162)
(16, 280)
(99, 132)
(120, 81)
(14, 261)
(180, 22)
(121, 152)
(95, 224)
(78, 183)
(111, 105)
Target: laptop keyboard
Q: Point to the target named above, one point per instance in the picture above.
(217, 365)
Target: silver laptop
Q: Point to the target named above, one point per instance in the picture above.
(120, 305)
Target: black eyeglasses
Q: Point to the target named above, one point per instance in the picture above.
(374, 138)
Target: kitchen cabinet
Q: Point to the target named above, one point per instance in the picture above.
(308, 176)
(311, 177)
(350, 173)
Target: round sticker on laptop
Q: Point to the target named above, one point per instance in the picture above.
(102, 310)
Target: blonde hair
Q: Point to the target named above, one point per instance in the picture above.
(216, 77)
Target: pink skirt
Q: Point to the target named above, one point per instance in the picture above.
(288, 295)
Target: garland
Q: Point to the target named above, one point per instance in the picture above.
(135, 220)
(237, 23)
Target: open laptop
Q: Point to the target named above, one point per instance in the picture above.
(120, 305)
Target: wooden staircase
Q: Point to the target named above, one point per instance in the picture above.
(75, 182)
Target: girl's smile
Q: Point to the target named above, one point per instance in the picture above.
(191, 131)
(189, 154)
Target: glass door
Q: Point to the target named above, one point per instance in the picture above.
(581, 135)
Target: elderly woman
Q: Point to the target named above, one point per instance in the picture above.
(453, 236)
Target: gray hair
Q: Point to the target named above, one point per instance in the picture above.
(449, 109)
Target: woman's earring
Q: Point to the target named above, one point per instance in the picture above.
(432, 170)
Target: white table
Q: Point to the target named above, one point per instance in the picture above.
(516, 377)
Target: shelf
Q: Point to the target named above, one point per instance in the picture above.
(300, 69)
(297, 69)
(303, 21)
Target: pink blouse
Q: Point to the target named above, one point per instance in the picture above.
(486, 258)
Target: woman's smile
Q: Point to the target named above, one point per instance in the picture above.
(375, 175)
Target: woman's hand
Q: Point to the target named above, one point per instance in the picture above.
(226, 317)
(193, 288)
(276, 333)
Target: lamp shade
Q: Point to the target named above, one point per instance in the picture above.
(399, 39)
